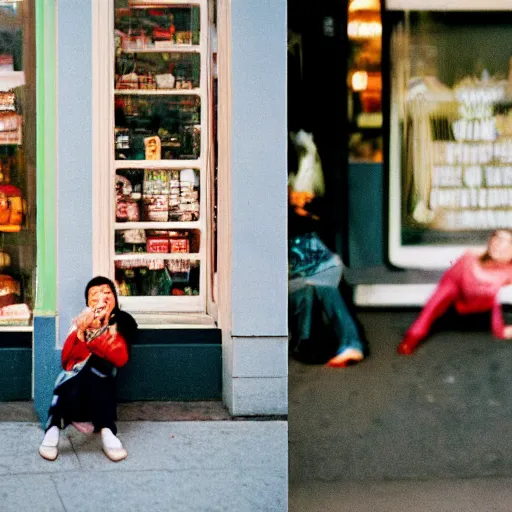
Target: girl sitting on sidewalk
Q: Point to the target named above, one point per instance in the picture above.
(85, 390)
(470, 286)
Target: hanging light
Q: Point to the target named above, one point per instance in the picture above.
(364, 29)
(364, 5)
(359, 81)
(364, 20)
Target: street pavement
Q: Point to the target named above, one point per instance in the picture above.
(176, 466)
(430, 432)
(452, 495)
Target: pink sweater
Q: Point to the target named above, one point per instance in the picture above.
(472, 287)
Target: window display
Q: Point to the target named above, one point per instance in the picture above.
(157, 127)
(451, 141)
(17, 163)
(160, 108)
(364, 80)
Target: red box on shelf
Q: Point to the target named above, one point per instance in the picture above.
(157, 244)
(179, 245)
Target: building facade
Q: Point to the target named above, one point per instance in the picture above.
(224, 335)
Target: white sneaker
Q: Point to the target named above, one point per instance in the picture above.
(49, 447)
(112, 446)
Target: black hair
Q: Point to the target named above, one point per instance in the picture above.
(100, 281)
(126, 324)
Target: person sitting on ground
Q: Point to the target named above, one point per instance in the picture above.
(470, 286)
(84, 393)
(316, 307)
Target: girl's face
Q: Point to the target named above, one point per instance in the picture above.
(102, 301)
(500, 246)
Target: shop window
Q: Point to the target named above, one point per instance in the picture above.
(17, 163)
(451, 125)
(161, 154)
(364, 81)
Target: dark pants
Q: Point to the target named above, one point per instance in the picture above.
(88, 396)
(320, 312)
(452, 320)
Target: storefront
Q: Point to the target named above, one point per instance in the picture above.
(449, 150)
(18, 152)
(155, 169)
(440, 184)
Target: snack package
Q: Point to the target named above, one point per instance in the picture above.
(165, 81)
(12, 208)
(155, 207)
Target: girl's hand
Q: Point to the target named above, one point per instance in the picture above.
(84, 320)
(508, 332)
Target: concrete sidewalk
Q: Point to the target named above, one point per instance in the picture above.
(172, 466)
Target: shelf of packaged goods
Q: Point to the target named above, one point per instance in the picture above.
(157, 226)
(157, 164)
(158, 92)
(175, 48)
(157, 256)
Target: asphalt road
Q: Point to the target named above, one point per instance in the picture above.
(432, 431)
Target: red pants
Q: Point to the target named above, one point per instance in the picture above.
(445, 295)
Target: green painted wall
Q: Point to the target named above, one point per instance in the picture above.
(46, 72)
